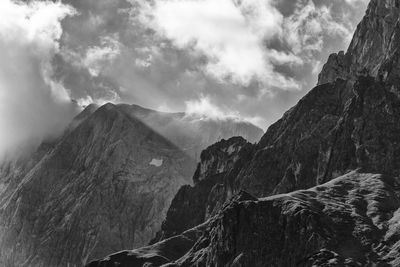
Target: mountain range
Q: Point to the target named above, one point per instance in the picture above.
(320, 188)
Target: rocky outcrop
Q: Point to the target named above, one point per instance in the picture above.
(375, 46)
(193, 205)
(349, 221)
(337, 67)
(219, 158)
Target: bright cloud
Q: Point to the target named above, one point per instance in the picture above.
(203, 107)
(231, 35)
(356, 2)
(32, 105)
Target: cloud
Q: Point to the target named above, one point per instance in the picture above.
(307, 27)
(204, 108)
(112, 97)
(246, 56)
(231, 34)
(356, 2)
(99, 57)
(32, 105)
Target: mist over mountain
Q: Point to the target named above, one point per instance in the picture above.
(103, 186)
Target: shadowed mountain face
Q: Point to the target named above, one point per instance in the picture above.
(104, 186)
(93, 192)
(332, 163)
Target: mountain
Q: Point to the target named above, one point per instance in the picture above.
(320, 188)
(96, 184)
(193, 133)
(104, 186)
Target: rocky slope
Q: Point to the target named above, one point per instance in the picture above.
(349, 221)
(94, 192)
(349, 122)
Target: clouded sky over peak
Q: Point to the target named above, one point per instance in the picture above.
(248, 58)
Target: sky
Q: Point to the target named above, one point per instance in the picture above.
(250, 59)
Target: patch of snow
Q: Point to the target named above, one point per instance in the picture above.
(156, 162)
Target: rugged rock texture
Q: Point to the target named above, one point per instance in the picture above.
(336, 128)
(192, 205)
(349, 221)
(374, 49)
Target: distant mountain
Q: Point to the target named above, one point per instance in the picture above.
(322, 186)
(193, 133)
(104, 186)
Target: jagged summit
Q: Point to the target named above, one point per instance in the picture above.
(374, 49)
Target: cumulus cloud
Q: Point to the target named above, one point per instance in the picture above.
(204, 108)
(32, 105)
(231, 34)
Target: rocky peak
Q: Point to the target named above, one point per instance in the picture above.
(375, 43)
(218, 158)
(192, 205)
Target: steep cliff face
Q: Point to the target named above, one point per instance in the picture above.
(95, 192)
(374, 49)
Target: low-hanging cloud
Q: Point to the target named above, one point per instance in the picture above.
(32, 105)
(204, 108)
